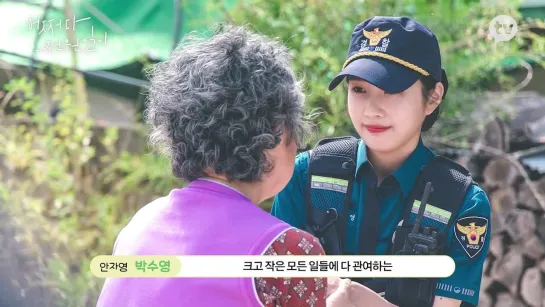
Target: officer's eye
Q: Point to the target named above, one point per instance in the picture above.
(358, 89)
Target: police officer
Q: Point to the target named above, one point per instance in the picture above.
(395, 84)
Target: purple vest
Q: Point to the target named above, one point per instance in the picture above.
(204, 218)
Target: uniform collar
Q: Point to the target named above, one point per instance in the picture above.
(406, 174)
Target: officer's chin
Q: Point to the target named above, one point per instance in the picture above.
(379, 143)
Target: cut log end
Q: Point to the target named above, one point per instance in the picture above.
(496, 135)
(498, 222)
(520, 224)
(485, 300)
(527, 198)
(541, 227)
(533, 247)
(503, 200)
(531, 288)
(506, 300)
(496, 247)
(508, 270)
(500, 172)
(486, 281)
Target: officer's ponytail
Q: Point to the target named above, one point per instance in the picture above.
(428, 84)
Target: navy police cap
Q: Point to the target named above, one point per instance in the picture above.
(392, 53)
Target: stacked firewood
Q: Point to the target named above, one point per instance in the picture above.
(515, 266)
(516, 260)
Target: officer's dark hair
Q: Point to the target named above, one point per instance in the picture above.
(428, 85)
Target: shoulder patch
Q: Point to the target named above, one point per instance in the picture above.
(471, 233)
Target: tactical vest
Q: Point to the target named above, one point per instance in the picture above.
(331, 175)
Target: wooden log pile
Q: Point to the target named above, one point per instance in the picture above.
(514, 273)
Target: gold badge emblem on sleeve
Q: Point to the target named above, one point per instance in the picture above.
(471, 233)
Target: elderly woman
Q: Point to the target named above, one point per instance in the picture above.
(228, 111)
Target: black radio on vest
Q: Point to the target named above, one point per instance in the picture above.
(421, 243)
(401, 291)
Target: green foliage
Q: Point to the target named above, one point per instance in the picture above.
(68, 188)
(318, 33)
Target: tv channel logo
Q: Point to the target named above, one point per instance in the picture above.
(502, 28)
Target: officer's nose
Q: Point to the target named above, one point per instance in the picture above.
(372, 109)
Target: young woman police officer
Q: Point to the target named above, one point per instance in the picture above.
(395, 84)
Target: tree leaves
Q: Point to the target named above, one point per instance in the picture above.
(318, 32)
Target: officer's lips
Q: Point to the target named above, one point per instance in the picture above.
(376, 128)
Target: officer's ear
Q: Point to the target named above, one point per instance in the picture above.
(432, 92)
(439, 90)
(434, 97)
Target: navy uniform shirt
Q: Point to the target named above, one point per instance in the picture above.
(464, 283)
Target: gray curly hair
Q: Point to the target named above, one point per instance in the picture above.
(218, 103)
